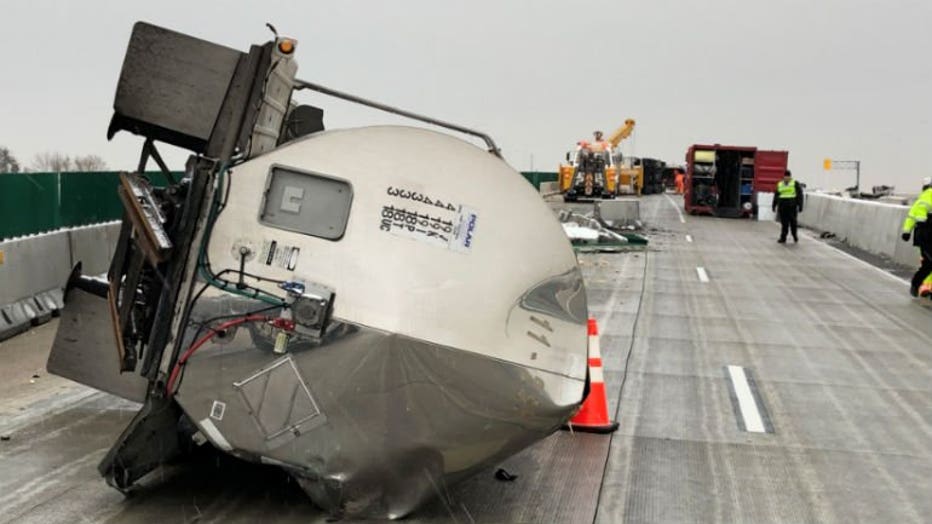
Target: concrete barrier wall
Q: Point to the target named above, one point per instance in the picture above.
(864, 224)
(35, 268)
(549, 188)
(93, 246)
(33, 264)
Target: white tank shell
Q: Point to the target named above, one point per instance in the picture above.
(469, 293)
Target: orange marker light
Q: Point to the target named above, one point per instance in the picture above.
(286, 46)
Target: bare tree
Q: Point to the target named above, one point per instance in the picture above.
(89, 163)
(8, 163)
(52, 162)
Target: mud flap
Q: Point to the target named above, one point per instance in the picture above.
(85, 349)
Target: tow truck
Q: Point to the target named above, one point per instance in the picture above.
(593, 171)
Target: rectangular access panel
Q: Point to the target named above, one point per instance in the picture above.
(307, 203)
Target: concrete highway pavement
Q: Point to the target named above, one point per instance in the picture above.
(840, 358)
(754, 382)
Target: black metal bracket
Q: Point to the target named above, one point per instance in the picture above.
(149, 150)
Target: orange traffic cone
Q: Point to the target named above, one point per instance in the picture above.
(593, 415)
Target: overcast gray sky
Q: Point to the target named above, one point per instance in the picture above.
(849, 79)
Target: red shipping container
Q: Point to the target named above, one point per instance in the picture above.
(725, 180)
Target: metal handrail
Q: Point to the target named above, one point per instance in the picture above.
(304, 84)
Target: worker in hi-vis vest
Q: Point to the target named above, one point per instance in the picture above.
(917, 224)
(680, 181)
(788, 201)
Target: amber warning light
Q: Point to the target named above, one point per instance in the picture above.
(286, 46)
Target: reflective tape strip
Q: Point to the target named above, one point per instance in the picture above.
(594, 350)
(595, 375)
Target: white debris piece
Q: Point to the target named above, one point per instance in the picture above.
(579, 233)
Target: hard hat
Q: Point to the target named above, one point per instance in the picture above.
(927, 181)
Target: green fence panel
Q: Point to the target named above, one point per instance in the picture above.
(28, 203)
(38, 202)
(89, 198)
(538, 177)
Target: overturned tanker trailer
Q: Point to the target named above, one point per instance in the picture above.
(351, 305)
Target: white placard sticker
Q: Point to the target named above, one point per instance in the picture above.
(464, 233)
(217, 410)
(277, 254)
(431, 221)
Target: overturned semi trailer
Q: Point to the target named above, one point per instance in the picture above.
(351, 305)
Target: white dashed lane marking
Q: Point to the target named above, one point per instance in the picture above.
(747, 404)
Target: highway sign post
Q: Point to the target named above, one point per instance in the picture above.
(829, 164)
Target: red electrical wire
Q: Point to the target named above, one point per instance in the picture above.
(203, 340)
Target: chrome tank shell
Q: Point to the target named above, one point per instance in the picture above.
(444, 356)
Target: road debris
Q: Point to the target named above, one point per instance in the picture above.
(588, 234)
(503, 475)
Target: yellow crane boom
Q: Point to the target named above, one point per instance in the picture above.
(621, 133)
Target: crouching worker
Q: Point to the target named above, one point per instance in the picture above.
(916, 225)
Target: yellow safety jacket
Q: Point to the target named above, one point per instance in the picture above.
(919, 211)
(785, 191)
